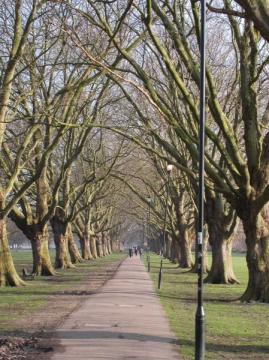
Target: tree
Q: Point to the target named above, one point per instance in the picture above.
(21, 24)
(255, 10)
(241, 176)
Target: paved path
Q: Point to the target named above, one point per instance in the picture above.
(123, 321)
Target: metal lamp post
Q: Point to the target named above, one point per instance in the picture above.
(148, 224)
(200, 314)
(169, 170)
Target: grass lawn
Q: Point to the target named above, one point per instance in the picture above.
(233, 330)
(17, 302)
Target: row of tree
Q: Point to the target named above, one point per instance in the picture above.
(54, 164)
(159, 79)
(97, 97)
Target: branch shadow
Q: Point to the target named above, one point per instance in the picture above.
(229, 348)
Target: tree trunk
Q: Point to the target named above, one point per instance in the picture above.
(33, 228)
(156, 244)
(85, 245)
(186, 260)
(8, 273)
(258, 12)
(99, 244)
(221, 271)
(39, 238)
(40, 249)
(109, 245)
(115, 244)
(257, 239)
(175, 251)
(72, 247)
(220, 229)
(168, 246)
(62, 258)
(93, 246)
(104, 245)
(164, 245)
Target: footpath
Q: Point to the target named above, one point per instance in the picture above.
(124, 320)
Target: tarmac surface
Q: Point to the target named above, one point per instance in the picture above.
(124, 320)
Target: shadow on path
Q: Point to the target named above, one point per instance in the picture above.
(91, 335)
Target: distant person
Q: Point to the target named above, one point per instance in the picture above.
(130, 252)
(140, 251)
(135, 250)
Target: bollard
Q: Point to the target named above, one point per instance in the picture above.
(160, 274)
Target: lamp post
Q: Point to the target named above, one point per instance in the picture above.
(148, 224)
(200, 315)
(169, 170)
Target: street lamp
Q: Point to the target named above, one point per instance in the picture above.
(148, 224)
(200, 314)
(169, 169)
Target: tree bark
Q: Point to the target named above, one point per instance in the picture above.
(175, 251)
(115, 244)
(39, 238)
(85, 245)
(186, 260)
(156, 245)
(168, 246)
(179, 201)
(62, 258)
(165, 245)
(257, 239)
(109, 247)
(8, 273)
(40, 249)
(34, 228)
(220, 229)
(99, 246)
(93, 246)
(258, 12)
(221, 271)
(72, 246)
(104, 244)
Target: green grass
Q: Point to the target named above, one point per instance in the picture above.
(16, 302)
(233, 330)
